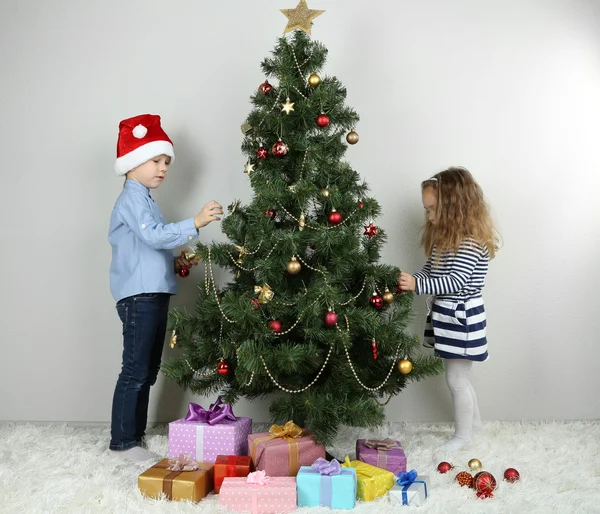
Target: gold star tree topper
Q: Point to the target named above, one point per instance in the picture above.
(300, 18)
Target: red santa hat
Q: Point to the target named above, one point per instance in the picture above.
(140, 139)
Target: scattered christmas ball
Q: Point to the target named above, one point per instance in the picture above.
(269, 213)
(376, 301)
(331, 318)
(280, 149)
(405, 367)
(262, 153)
(322, 120)
(314, 80)
(324, 192)
(275, 325)
(485, 484)
(288, 106)
(352, 137)
(293, 267)
(265, 87)
(388, 296)
(370, 230)
(444, 467)
(465, 479)
(511, 475)
(184, 271)
(374, 349)
(475, 464)
(223, 368)
(335, 218)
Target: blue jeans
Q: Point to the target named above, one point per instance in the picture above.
(144, 319)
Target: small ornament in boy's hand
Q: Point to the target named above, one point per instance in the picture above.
(183, 272)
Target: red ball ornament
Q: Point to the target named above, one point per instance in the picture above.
(399, 290)
(262, 153)
(376, 301)
(335, 218)
(322, 120)
(465, 479)
(444, 467)
(484, 483)
(330, 318)
(265, 88)
(184, 271)
(269, 213)
(370, 230)
(361, 205)
(511, 475)
(223, 368)
(275, 325)
(280, 149)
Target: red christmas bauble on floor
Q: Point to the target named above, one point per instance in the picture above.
(335, 218)
(265, 87)
(275, 325)
(184, 271)
(465, 479)
(223, 368)
(331, 318)
(323, 120)
(444, 467)
(511, 475)
(376, 302)
(484, 483)
(280, 149)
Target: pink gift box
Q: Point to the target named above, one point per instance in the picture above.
(383, 455)
(204, 442)
(281, 457)
(279, 495)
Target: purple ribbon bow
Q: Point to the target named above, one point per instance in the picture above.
(216, 413)
(407, 477)
(324, 467)
(381, 444)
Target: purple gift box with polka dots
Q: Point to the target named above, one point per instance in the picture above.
(203, 442)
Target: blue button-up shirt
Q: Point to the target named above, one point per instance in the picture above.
(142, 243)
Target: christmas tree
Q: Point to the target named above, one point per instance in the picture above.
(311, 313)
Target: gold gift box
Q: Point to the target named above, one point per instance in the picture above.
(177, 485)
(372, 482)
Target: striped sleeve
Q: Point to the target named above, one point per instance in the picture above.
(455, 269)
(424, 273)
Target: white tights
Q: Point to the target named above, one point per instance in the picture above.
(464, 401)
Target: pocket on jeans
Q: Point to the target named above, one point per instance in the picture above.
(123, 312)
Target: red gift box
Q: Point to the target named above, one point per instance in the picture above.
(230, 466)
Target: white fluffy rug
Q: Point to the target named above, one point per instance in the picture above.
(61, 468)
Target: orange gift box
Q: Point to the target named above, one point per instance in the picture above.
(230, 466)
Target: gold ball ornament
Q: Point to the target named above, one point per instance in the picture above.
(475, 464)
(405, 366)
(388, 296)
(352, 137)
(293, 267)
(324, 192)
(314, 80)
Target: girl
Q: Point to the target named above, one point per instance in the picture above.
(142, 273)
(460, 240)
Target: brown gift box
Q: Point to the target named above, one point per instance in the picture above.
(177, 485)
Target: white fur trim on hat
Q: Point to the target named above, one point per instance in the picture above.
(142, 154)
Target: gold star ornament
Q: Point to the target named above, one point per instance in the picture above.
(300, 18)
(249, 168)
(288, 106)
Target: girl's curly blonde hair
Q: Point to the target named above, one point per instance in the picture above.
(461, 213)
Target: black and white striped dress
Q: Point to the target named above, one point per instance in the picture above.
(456, 323)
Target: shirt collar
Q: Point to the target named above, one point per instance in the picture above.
(134, 185)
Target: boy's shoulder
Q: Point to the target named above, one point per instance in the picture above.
(129, 197)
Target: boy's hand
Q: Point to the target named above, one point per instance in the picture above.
(407, 282)
(182, 261)
(208, 213)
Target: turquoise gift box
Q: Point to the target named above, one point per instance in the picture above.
(317, 488)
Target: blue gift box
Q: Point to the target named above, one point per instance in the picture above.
(336, 491)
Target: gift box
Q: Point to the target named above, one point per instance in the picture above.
(178, 479)
(230, 466)
(259, 493)
(410, 489)
(382, 453)
(326, 484)
(282, 450)
(204, 434)
(372, 482)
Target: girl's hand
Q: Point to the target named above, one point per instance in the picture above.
(182, 261)
(407, 282)
(208, 213)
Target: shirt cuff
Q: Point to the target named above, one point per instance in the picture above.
(188, 228)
